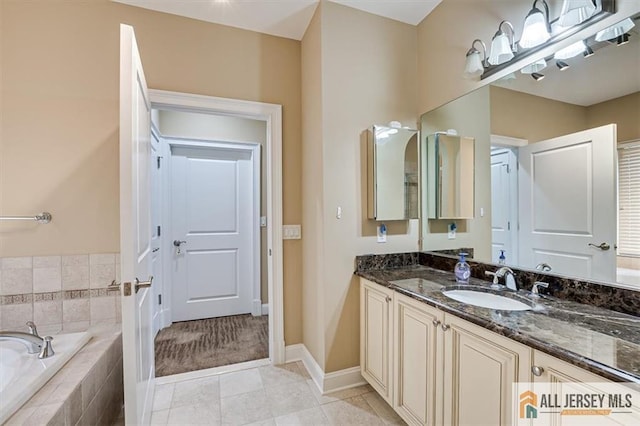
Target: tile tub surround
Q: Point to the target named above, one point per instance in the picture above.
(88, 390)
(59, 293)
(617, 299)
(604, 342)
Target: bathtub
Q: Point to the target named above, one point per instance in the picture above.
(22, 373)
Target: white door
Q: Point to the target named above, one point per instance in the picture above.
(568, 203)
(214, 216)
(504, 223)
(135, 232)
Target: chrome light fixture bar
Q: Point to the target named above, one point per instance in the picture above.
(604, 8)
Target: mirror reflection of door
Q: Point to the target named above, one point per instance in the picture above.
(568, 203)
(504, 204)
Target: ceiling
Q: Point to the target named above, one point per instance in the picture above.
(283, 18)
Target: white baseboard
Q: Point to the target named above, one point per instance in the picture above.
(325, 382)
(265, 309)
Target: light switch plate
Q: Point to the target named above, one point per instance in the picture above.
(263, 221)
(291, 232)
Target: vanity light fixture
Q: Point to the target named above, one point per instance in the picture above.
(503, 45)
(616, 30)
(575, 12)
(534, 67)
(474, 65)
(537, 29)
(570, 51)
(537, 76)
(623, 39)
(562, 65)
(588, 52)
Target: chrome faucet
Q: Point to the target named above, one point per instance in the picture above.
(544, 267)
(34, 343)
(509, 280)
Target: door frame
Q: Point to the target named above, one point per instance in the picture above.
(206, 145)
(272, 115)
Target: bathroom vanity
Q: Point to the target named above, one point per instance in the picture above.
(439, 361)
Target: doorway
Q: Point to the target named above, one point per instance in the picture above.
(217, 280)
(504, 205)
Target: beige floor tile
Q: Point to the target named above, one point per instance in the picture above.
(245, 408)
(203, 413)
(159, 418)
(189, 392)
(382, 409)
(289, 398)
(275, 375)
(240, 382)
(163, 396)
(339, 395)
(352, 411)
(268, 422)
(312, 416)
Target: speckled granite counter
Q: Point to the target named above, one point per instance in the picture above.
(602, 341)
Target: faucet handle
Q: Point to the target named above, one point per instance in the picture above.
(32, 328)
(47, 349)
(535, 289)
(494, 275)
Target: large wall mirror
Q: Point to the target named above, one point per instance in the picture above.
(557, 164)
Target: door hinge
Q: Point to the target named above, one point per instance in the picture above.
(158, 160)
(508, 168)
(159, 231)
(508, 226)
(159, 299)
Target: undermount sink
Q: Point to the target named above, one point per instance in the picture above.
(486, 300)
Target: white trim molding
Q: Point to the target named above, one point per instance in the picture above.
(272, 115)
(325, 382)
(508, 141)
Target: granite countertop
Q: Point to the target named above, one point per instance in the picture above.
(602, 341)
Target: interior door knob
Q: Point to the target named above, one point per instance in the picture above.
(143, 284)
(601, 246)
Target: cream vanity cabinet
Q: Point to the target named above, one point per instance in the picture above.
(449, 371)
(376, 307)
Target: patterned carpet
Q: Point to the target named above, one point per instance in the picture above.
(212, 342)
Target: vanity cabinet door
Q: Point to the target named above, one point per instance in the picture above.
(376, 305)
(417, 354)
(480, 368)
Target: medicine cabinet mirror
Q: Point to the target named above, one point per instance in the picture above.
(450, 176)
(392, 168)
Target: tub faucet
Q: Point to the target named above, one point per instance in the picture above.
(34, 343)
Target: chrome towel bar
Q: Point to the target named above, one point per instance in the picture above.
(44, 217)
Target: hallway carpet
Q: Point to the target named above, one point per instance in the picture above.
(212, 342)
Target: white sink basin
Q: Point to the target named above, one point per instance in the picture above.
(486, 300)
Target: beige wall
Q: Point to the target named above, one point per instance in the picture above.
(553, 118)
(59, 133)
(469, 116)
(534, 118)
(312, 188)
(368, 75)
(232, 129)
(623, 111)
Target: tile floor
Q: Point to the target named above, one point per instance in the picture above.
(268, 395)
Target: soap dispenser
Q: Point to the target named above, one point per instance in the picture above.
(462, 270)
(502, 260)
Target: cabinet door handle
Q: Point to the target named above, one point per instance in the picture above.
(436, 322)
(537, 371)
(445, 327)
(388, 299)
